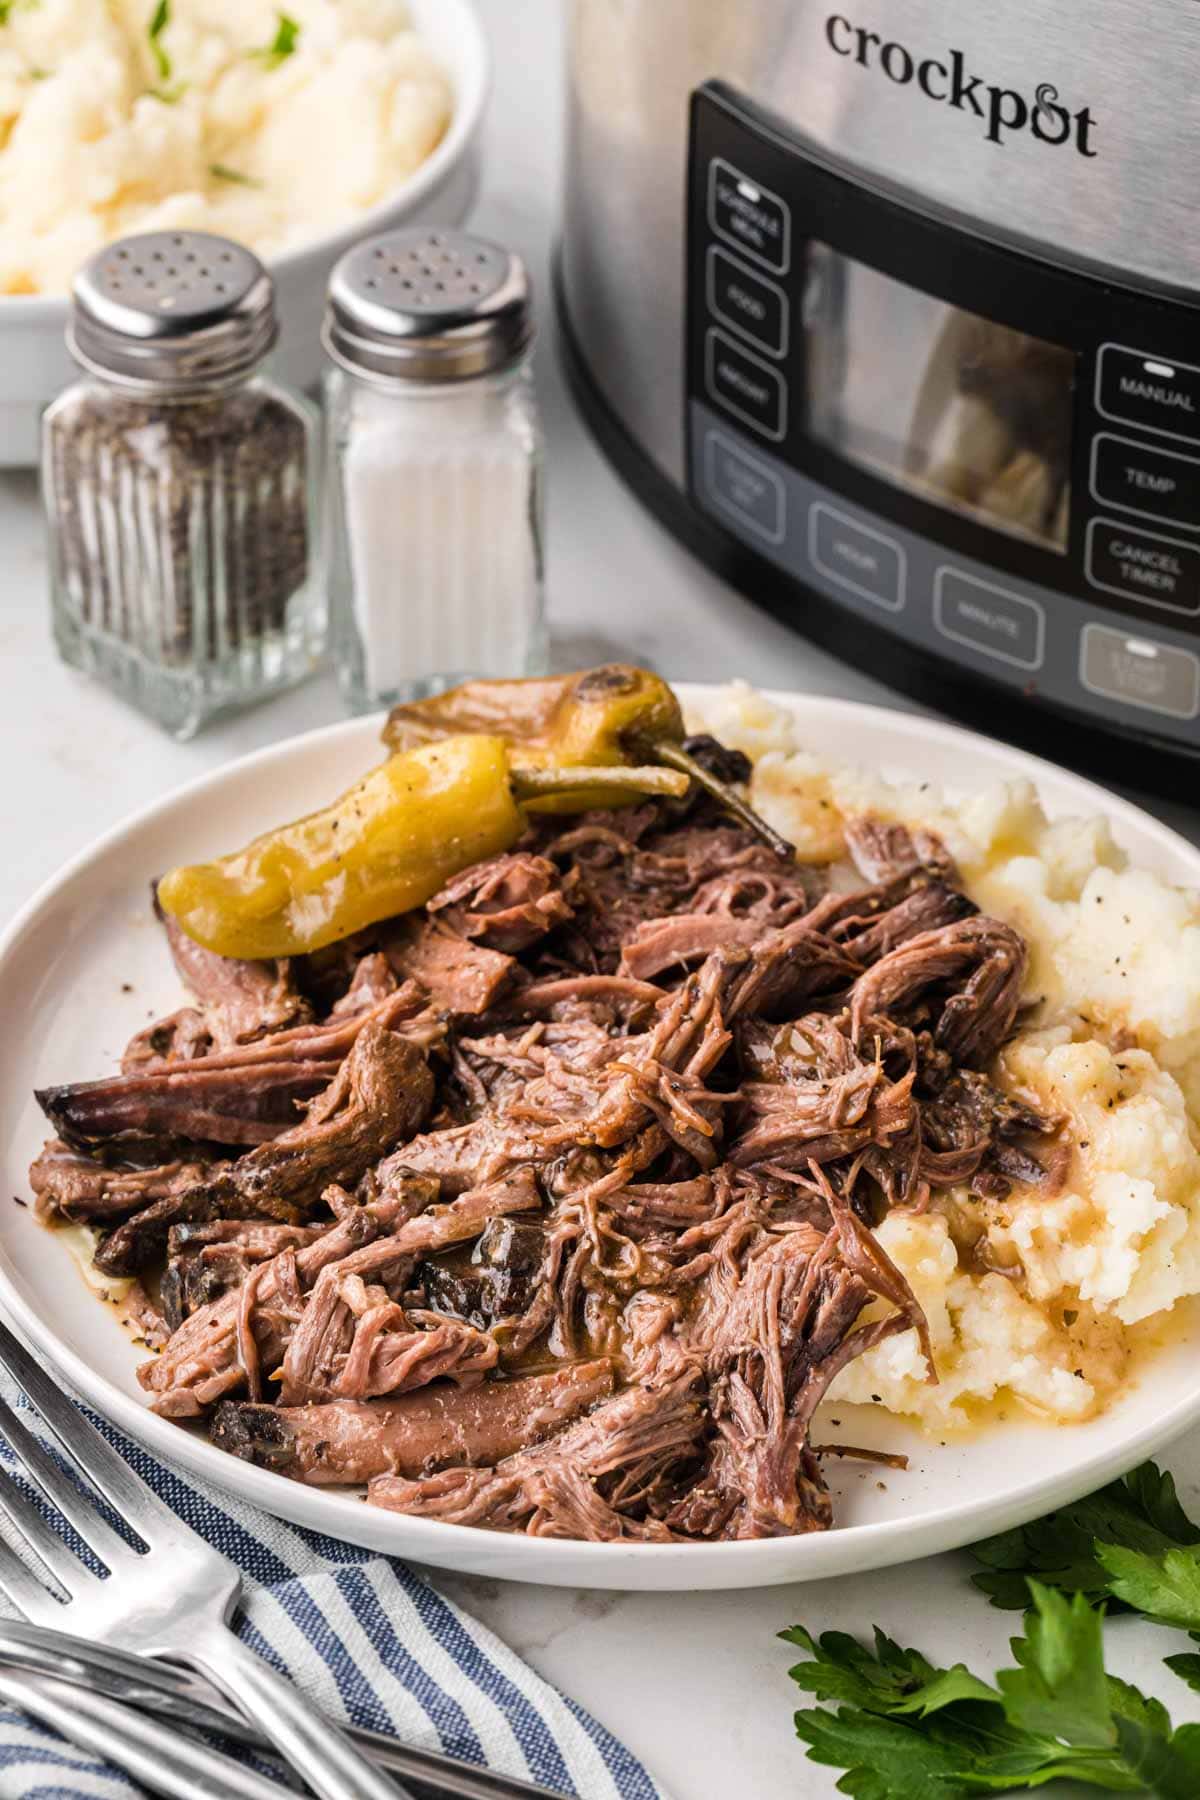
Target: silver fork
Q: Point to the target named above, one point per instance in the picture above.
(174, 1598)
(163, 1759)
(164, 1691)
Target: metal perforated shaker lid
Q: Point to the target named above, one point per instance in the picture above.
(428, 304)
(171, 310)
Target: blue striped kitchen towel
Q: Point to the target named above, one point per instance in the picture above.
(373, 1644)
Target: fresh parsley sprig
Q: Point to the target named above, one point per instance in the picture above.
(282, 45)
(903, 1729)
(1130, 1545)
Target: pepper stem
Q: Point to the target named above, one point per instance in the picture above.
(537, 784)
(726, 796)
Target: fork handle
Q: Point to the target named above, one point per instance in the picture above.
(160, 1758)
(181, 1695)
(319, 1751)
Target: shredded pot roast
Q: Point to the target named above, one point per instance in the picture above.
(548, 1207)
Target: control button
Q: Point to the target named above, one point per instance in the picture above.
(1158, 677)
(990, 619)
(1159, 484)
(744, 386)
(1158, 571)
(743, 486)
(856, 556)
(749, 304)
(1152, 391)
(749, 216)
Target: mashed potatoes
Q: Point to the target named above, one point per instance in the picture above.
(1029, 1298)
(266, 125)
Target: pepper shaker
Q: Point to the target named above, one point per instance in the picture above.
(179, 484)
(434, 458)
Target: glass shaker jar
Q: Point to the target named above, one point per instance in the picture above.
(434, 459)
(179, 484)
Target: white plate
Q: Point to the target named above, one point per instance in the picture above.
(64, 964)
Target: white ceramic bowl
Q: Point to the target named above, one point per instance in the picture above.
(34, 365)
(83, 966)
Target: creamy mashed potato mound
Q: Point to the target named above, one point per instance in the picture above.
(100, 136)
(1034, 1300)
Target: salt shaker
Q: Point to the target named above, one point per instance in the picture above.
(434, 460)
(179, 484)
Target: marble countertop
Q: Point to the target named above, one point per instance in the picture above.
(696, 1683)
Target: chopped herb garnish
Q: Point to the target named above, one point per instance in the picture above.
(154, 31)
(282, 45)
(220, 172)
(168, 95)
(9, 7)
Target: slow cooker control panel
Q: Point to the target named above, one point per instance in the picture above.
(989, 456)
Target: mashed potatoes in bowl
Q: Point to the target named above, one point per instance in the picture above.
(233, 116)
(293, 128)
(1043, 1302)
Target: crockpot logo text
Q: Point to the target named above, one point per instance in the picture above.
(947, 80)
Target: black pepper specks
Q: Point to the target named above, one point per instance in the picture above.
(220, 483)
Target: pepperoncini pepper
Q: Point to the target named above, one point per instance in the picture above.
(449, 796)
(387, 845)
(597, 717)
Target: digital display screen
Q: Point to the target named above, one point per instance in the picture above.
(968, 413)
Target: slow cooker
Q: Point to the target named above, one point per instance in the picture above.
(890, 310)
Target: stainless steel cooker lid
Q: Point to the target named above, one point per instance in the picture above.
(172, 309)
(430, 305)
